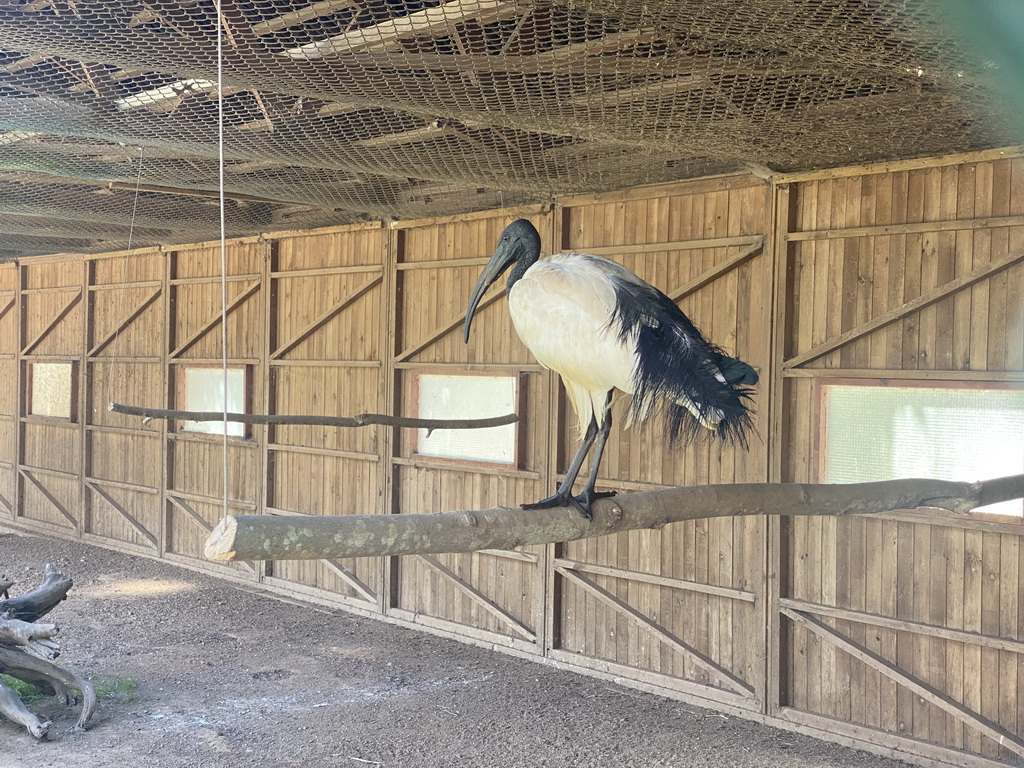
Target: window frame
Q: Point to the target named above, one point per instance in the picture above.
(454, 462)
(820, 431)
(181, 366)
(73, 417)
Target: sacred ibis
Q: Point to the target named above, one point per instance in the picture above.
(602, 328)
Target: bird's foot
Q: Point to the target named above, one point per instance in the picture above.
(581, 503)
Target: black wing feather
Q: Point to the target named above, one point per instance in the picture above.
(675, 361)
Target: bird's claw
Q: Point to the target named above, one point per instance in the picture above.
(582, 503)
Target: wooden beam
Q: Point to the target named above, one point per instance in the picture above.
(26, 62)
(904, 625)
(910, 228)
(216, 318)
(717, 271)
(8, 306)
(346, 575)
(49, 496)
(142, 307)
(657, 91)
(914, 374)
(92, 486)
(204, 193)
(730, 593)
(446, 328)
(426, 22)
(922, 301)
(677, 245)
(190, 511)
(659, 632)
(926, 691)
(480, 598)
(301, 15)
(324, 318)
(53, 323)
(429, 132)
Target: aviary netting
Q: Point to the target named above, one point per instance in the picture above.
(340, 110)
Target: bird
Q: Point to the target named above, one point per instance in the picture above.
(602, 328)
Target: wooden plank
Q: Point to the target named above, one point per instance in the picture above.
(1009, 644)
(132, 317)
(883, 375)
(921, 227)
(300, 16)
(677, 245)
(479, 598)
(719, 270)
(663, 635)
(27, 349)
(326, 317)
(30, 476)
(925, 300)
(447, 327)
(215, 319)
(919, 687)
(95, 488)
(893, 166)
(350, 578)
(731, 593)
(427, 22)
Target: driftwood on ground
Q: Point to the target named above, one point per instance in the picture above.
(268, 537)
(27, 650)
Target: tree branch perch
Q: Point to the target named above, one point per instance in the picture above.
(361, 420)
(268, 537)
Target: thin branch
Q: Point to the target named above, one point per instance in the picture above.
(266, 537)
(361, 420)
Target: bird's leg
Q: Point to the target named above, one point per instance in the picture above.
(563, 496)
(589, 495)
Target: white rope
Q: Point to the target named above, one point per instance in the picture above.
(124, 283)
(221, 31)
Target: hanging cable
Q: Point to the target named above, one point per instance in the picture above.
(221, 31)
(124, 281)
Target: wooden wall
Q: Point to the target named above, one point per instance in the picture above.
(902, 634)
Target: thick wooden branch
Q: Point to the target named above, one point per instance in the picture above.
(362, 420)
(34, 639)
(265, 537)
(40, 601)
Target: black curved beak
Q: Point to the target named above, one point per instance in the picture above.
(500, 261)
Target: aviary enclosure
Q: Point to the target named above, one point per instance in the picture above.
(898, 634)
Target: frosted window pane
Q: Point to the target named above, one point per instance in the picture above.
(468, 397)
(204, 391)
(51, 389)
(883, 433)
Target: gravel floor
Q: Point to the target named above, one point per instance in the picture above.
(229, 677)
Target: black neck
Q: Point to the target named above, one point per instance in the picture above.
(522, 264)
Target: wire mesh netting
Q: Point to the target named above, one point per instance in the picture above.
(343, 110)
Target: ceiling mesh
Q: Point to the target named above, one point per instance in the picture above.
(343, 110)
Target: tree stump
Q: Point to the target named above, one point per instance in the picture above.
(27, 651)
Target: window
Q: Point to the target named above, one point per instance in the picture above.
(467, 397)
(883, 433)
(53, 390)
(201, 388)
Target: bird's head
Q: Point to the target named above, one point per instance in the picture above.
(519, 244)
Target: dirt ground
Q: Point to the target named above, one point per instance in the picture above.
(230, 677)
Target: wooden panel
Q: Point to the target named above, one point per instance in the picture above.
(198, 468)
(705, 632)
(946, 598)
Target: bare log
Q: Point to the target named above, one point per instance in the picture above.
(40, 601)
(361, 420)
(268, 537)
(27, 648)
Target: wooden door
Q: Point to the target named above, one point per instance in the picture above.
(494, 596)
(326, 307)
(680, 608)
(124, 363)
(49, 435)
(908, 625)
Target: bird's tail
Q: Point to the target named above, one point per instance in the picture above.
(699, 387)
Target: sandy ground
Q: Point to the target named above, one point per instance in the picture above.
(230, 677)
